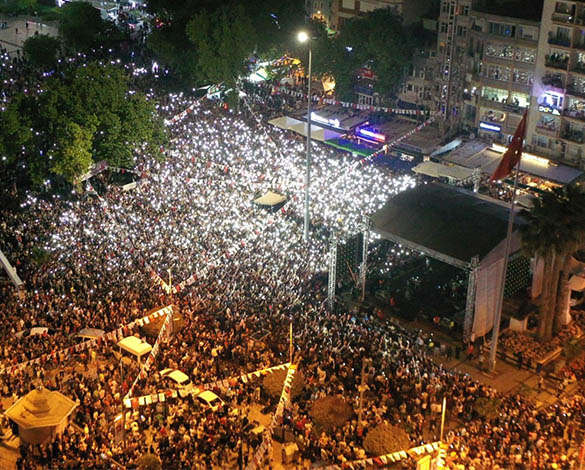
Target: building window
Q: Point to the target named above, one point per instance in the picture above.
(499, 50)
(465, 10)
(445, 7)
(497, 72)
(524, 77)
(525, 55)
(348, 4)
(502, 29)
(540, 141)
(528, 32)
(461, 31)
(444, 27)
(494, 94)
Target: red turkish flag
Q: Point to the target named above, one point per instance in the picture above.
(513, 154)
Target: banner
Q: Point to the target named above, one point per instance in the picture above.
(154, 352)
(114, 335)
(134, 402)
(345, 104)
(266, 443)
(386, 459)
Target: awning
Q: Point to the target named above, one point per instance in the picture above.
(577, 283)
(270, 199)
(447, 148)
(437, 170)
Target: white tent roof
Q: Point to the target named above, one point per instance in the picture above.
(300, 127)
(437, 170)
(577, 283)
(270, 199)
(135, 346)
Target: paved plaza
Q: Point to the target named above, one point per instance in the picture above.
(16, 32)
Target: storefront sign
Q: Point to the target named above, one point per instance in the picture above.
(490, 126)
(549, 110)
(374, 135)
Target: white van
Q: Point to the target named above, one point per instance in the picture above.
(133, 348)
(180, 379)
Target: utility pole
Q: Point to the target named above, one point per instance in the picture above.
(362, 389)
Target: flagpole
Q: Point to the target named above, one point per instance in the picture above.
(498, 314)
(290, 350)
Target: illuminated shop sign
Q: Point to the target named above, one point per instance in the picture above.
(490, 126)
(547, 109)
(329, 122)
(373, 135)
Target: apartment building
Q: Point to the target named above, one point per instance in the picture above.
(556, 123)
(409, 10)
(500, 65)
(320, 10)
(453, 31)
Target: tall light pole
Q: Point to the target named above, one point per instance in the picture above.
(304, 37)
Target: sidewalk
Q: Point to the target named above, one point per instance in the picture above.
(13, 40)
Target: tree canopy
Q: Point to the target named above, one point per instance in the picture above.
(212, 40)
(555, 231)
(377, 41)
(88, 116)
(41, 50)
(81, 25)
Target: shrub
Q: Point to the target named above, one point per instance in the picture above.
(273, 383)
(385, 439)
(330, 412)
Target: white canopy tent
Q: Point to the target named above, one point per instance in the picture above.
(317, 132)
(270, 199)
(438, 170)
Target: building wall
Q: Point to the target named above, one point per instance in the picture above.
(410, 10)
(556, 124)
(501, 60)
(320, 10)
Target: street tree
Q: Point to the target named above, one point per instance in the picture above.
(554, 232)
(41, 50)
(86, 116)
(81, 25)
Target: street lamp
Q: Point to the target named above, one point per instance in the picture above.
(304, 37)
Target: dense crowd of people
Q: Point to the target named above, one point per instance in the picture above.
(89, 261)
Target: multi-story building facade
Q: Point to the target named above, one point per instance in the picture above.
(501, 61)
(320, 10)
(452, 36)
(409, 10)
(556, 123)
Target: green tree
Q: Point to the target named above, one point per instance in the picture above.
(72, 155)
(89, 115)
(41, 50)
(377, 41)
(224, 40)
(149, 462)
(81, 25)
(554, 232)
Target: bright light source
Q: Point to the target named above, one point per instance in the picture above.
(303, 36)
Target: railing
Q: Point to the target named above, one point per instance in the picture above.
(559, 40)
(573, 90)
(556, 62)
(573, 136)
(548, 129)
(579, 67)
(561, 17)
(580, 115)
(579, 45)
(553, 81)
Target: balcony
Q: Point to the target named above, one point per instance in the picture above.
(579, 115)
(545, 129)
(556, 61)
(556, 40)
(579, 45)
(576, 91)
(573, 135)
(579, 67)
(562, 17)
(553, 81)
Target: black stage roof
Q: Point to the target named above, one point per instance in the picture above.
(444, 222)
